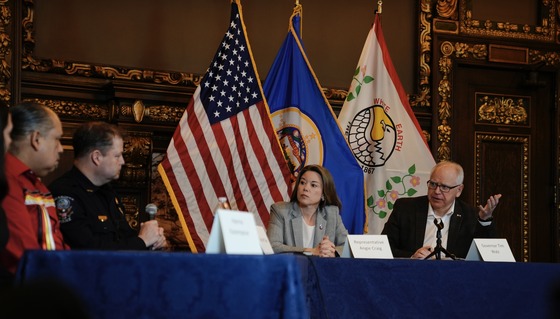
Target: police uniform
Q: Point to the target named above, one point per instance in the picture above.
(92, 217)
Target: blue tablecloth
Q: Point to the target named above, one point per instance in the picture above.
(174, 285)
(177, 285)
(404, 288)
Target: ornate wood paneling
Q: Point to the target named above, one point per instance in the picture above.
(6, 50)
(154, 101)
(513, 152)
(545, 31)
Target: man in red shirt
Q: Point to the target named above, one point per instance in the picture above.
(29, 206)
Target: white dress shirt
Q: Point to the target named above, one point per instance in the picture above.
(431, 229)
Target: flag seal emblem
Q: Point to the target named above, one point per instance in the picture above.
(299, 137)
(372, 136)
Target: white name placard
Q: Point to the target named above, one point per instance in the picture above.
(490, 249)
(265, 243)
(367, 246)
(234, 232)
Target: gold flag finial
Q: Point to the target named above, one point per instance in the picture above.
(379, 6)
(297, 2)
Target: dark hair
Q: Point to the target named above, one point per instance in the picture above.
(329, 189)
(94, 136)
(4, 114)
(28, 117)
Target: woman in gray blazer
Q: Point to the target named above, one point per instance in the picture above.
(310, 222)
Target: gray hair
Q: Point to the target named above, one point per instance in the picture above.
(458, 169)
(28, 117)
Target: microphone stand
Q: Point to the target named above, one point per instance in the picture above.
(439, 248)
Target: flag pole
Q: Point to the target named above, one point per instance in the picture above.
(379, 6)
(298, 9)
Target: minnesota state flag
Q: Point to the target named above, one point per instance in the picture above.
(307, 126)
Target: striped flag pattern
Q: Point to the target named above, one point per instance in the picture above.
(225, 144)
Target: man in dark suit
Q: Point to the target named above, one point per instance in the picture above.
(411, 229)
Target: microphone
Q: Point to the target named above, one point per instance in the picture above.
(151, 209)
(439, 223)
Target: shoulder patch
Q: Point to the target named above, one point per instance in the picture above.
(64, 208)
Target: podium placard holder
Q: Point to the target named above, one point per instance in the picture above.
(367, 246)
(490, 249)
(234, 232)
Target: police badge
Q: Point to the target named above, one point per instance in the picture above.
(64, 208)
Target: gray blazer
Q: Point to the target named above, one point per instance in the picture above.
(286, 223)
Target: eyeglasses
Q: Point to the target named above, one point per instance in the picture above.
(442, 187)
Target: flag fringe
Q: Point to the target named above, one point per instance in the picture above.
(167, 184)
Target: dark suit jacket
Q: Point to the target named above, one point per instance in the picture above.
(407, 225)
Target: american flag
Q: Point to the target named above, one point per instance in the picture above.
(225, 144)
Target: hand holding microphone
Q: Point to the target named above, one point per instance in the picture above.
(150, 232)
(151, 209)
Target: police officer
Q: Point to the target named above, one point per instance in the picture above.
(89, 210)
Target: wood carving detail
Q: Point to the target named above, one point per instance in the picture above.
(138, 152)
(75, 110)
(545, 31)
(447, 8)
(5, 51)
(501, 109)
(524, 141)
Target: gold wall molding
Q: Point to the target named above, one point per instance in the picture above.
(75, 110)
(5, 51)
(524, 141)
(29, 62)
(447, 8)
(459, 50)
(545, 31)
(422, 99)
(155, 113)
(449, 51)
(335, 96)
(550, 58)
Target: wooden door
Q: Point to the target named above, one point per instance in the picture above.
(504, 124)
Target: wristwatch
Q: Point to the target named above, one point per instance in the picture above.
(489, 219)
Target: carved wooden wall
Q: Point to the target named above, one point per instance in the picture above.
(495, 112)
(451, 42)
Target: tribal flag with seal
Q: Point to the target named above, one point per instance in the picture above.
(225, 144)
(383, 132)
(307, 126)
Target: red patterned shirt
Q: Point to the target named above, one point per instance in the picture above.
(31, 214)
